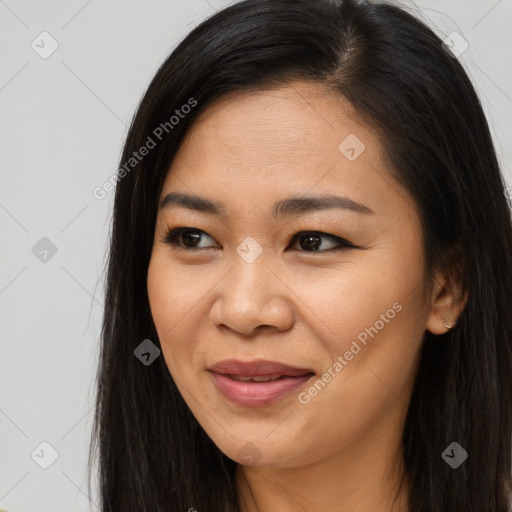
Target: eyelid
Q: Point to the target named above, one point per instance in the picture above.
(342, 243)
(172, 233)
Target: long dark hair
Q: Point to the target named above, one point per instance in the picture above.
(153, 454)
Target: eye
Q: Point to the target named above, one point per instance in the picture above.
(309, 241)
(185, 238)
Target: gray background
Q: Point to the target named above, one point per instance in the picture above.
(63, 120)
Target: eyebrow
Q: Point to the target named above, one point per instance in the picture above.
(281, 208)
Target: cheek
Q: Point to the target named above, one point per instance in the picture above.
(180, 302)
(161, 294)
(174, 293)
(362, 302)
(376, 317)
(379, 326)
(172, 299)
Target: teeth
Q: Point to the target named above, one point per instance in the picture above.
(255, 378)
(240, 378)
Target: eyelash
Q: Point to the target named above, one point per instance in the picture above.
(173, 234)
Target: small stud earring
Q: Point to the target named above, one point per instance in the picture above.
(446, 325)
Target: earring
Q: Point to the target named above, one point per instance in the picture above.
(446, 325)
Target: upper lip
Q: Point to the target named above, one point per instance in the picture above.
(257, 368)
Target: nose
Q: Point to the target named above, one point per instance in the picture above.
(252, 297)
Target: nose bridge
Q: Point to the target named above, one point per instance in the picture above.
(252, 295)
(249, 283)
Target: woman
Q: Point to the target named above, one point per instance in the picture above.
(308, 294)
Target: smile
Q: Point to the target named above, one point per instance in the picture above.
(257, 383)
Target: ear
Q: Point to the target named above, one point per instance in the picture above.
(449, 294)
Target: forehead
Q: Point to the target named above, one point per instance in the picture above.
(292, 140)
(267, 127)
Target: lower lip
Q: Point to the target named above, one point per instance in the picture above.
(256, 394)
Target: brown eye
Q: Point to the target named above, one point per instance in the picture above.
(187, 238)
(311, 241)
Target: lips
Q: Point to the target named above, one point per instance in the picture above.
(257, 383)
(258, 368)
(255, 378)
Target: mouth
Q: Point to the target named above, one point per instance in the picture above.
(256, 378)
(257, 383)
(258, 368)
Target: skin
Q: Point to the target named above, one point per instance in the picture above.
(341, 450)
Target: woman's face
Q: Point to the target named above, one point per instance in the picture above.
(244, 284)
